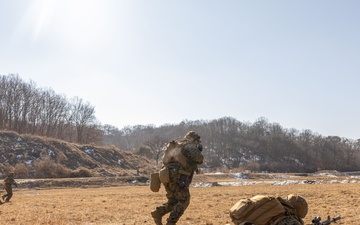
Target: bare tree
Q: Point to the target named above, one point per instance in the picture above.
(156, 145)
(82, 116)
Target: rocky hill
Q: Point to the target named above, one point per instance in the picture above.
(28, 154)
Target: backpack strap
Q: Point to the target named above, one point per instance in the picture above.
(290, 210)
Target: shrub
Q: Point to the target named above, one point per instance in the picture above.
(46, 168)
(22, 171)
(81, 172)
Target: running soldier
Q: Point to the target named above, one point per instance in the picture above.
(180, 174)
(8, 182)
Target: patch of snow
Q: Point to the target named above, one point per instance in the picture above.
(241, 176)
(326, 175)
(202, 184)
(246, 183)
(276, 183)
(214, 184)
(51, 152)
(285, 182)
(90, 151)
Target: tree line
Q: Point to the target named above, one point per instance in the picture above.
(26, 108)
(228, 143)
(259, 146)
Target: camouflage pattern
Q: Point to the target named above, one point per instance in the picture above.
(192, 136)
(290, 220)
(192, 151)
(8, 182)
(177, 190)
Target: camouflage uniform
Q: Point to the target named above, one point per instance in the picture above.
(8, 182)
(177, 190)
(296, 207)
(290, 220)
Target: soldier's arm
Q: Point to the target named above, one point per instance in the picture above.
(193, 152)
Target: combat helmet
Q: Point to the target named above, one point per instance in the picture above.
(299, 203)
(191, 135)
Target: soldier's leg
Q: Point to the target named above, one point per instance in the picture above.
(160, 211)
(167, 207)
(8, 197)
(9, 194)
(290, 220)
(183, 196)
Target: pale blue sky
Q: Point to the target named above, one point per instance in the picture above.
(295, 63)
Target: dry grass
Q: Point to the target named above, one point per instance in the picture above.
(132, 205)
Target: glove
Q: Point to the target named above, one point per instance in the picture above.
(183, 181)
(198, 171)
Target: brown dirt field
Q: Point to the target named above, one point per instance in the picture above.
(131, 205)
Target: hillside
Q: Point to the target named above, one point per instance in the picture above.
(42, 157)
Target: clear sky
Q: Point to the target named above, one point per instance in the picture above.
(296, 63)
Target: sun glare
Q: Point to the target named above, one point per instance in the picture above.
(79, 22)
(82, 21)
(43, 16)
(36, 18)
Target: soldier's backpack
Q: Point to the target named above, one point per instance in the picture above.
(172, 153)
(258, 210)
(298, 204)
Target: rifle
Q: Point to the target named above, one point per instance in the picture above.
(317, 220)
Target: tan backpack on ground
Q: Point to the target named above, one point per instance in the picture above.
(258, 210)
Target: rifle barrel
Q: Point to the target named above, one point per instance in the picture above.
(336, 218)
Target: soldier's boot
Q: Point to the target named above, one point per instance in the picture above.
(157, 217)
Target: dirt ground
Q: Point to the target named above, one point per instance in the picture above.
(131, 205)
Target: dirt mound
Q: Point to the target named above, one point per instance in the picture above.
(101, 160)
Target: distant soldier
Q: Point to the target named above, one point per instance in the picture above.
(180, 167)
(8, 182)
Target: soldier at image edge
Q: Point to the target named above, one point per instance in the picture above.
(180, 177)
(8, 182)
(292, 211)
